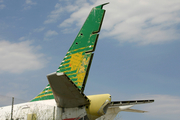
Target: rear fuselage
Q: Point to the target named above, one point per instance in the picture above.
(47, 110)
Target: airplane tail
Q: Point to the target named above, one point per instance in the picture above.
(77, 61)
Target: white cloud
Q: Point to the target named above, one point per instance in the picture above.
(50, 33)
(140, 21)
(78, 17)
(61, 9)
(20, 57)
(2, 6)
(54, 16)
(39, 29)
(21, 38)
(165, 106)
(68, 30)
(29, 2)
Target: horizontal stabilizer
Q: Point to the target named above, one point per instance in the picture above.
(65, 92)
(117, 106)
(134, 110)
(132, 102)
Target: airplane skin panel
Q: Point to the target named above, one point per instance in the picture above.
(80, 51)
(66, 94)
(77, 61)
(76, 66)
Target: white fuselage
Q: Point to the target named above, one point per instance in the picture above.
(39, 109)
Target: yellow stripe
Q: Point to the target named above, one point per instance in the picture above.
(44, 95)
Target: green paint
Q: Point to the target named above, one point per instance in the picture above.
(45, 94)
(78, 59)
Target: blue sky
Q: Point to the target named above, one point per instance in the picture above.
(137, 54)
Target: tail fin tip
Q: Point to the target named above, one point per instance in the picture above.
(101, 6)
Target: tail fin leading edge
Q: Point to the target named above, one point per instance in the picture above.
(77, 61)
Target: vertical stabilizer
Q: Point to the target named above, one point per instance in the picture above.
(77, 61)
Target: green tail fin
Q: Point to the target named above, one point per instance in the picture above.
(78, 59)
